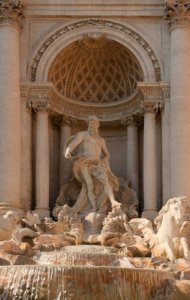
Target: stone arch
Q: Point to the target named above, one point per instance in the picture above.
(119, 32)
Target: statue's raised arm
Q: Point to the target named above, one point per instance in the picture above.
(71, 145)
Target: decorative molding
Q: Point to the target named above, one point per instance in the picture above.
(44, 96)
(166, 90)
(154, 95)
(24, 90)
(151, 91)
(177, 13)
(41, 95)
(11, 12)
(98, 23)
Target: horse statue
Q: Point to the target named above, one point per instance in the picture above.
(170, 235)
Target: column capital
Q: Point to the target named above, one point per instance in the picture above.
(59, 121)
(151, 106)
(38, 106)
(177, 13)
(154, 95)
(66, 120)
(11, 12)
(132, 120)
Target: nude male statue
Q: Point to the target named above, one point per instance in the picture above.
(91, 167)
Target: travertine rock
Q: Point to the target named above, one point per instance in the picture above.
(4, 261)
(21, 260)
(9, 224)
(48, 242)
(15, 248)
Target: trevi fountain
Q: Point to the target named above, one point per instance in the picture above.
(94, 246)
(94, 149)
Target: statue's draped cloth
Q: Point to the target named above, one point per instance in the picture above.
(101, 175)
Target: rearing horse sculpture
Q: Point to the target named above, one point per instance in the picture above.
(171, 235)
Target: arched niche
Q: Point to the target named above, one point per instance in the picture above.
(72, 32)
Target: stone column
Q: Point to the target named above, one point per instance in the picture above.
(132, 152)
(149, 161)
(178, 15)
(10, 106)
(26, 146)
(42, 163)
(65, 165)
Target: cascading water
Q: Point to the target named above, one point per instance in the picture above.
(96, 275)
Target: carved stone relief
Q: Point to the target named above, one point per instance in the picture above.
(98, 23)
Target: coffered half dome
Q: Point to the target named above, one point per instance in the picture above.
(95, 70)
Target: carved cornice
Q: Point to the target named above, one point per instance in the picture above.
(177, 12)
(11, 12)
(98, 23)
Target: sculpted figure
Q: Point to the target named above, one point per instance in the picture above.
(172, 232)
(91, 169)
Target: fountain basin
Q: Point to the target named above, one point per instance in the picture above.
(84, 283)
(84, 272)
(82, 259)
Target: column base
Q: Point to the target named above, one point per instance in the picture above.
(150, 214)
(42, 212)
(5, 207)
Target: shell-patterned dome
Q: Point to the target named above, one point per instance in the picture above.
(96, 70)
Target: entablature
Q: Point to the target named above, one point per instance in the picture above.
(131, 8)
(38, 95)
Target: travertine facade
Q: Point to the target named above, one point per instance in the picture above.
(127, 62)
